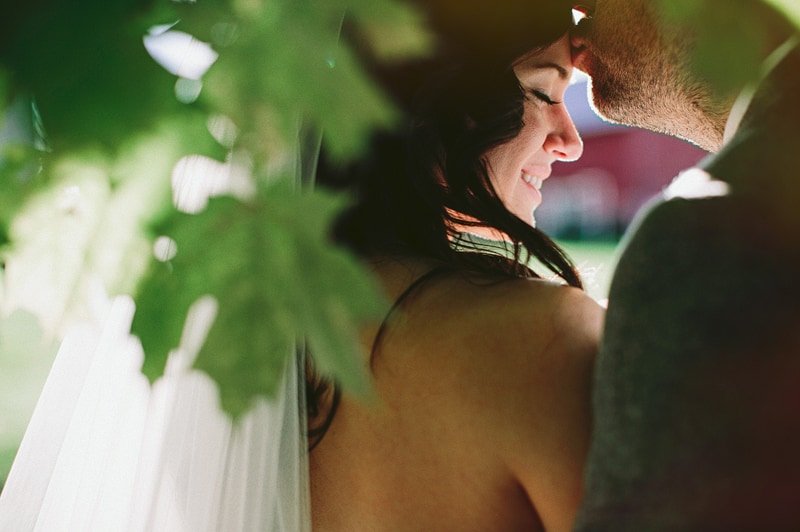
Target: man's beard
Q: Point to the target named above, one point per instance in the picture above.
(647, 83)
(631, 92)
(668, 104)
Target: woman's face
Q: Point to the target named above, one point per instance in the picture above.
(518, 167)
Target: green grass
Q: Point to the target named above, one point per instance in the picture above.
(596, 261)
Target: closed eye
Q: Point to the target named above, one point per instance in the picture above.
(541, 96)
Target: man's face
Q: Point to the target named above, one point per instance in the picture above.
(636, 64)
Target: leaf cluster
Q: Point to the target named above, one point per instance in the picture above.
(266, 260)
(275, 280)
(730, 37)
(282, 61)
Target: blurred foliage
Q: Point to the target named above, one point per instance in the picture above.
(281, 60)
(85, 67)
(92, 126)
(790, 8)
(275, 280)
(21, 151)
(731, 36)
(87, 227)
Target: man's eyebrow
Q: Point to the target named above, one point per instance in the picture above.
(562, 72)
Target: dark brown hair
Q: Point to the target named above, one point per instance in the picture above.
(415, 183)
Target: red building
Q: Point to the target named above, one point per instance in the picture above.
(621, 168)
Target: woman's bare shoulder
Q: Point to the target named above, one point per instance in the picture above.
(518, 313)
(512, 361)
(491, 336)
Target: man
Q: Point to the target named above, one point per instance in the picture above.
(697, 388)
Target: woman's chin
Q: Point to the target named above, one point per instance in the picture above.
(527, 215)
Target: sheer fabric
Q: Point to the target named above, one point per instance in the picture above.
(106, 451)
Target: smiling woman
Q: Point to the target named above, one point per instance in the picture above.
(519, 167)
(482, 369)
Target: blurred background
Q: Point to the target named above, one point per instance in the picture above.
(589, 204)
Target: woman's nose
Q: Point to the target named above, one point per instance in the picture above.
(564, 142)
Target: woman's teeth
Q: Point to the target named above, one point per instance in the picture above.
(531, 180)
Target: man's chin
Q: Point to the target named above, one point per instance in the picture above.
(605, 101)
(603, 94)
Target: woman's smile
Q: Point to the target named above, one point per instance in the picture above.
(547, 134)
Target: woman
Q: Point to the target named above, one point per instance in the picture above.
(482, 370)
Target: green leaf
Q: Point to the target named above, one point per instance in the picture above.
(679, 11)
(728, 41)
(101, 93)
(276, 278)
(790, 8)
(87, 223)
(88, 69)
(393, 28)
(282, 60)
(21, 155)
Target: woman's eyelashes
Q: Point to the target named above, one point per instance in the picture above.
(542, 96)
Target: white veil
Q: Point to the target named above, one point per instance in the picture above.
(106, 451)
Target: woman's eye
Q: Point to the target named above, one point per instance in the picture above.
(541, 96)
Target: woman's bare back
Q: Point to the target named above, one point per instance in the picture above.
(480, 416)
